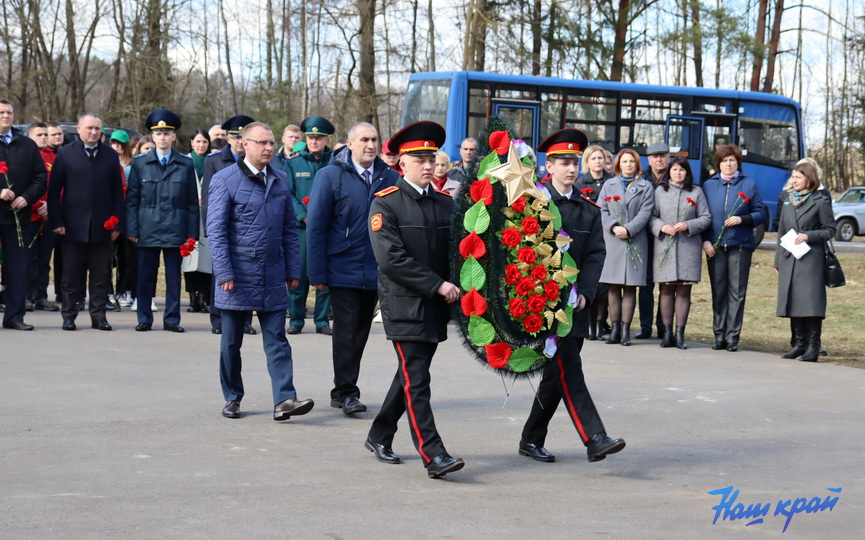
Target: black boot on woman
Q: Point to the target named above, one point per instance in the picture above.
(813, 327)
(626, 334)
(593, 330)
(799, 341)
(680, 338)
(667, 336)
(615, 335)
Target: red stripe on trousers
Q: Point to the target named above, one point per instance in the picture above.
(411, 415)
(568, 402)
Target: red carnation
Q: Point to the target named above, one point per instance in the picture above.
(587, 191)
(744, 197)
(539, 273)
(498, 354)
(526, 255)
(533, 323)
(305, 201)
(519, 204)
(512, 274)
(184, 252)
(530, 225)
(111, 223)
(482, 190)
(616, 198)
(608, 199)
(473, 303)
(4, 168)
(511, 237)
(536, 303)
(691, 201)
(551, 290)
(190, 242)
(525, 286)
(517, 307)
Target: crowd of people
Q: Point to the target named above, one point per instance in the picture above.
(253, 227)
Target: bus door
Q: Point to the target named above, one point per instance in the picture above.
(719, 130)
(523, 117)
(684, 136)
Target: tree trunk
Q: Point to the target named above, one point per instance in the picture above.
(698, 42)
(368, 101)
(620, 31)
(227, 40)
(432, 37)
(759, 51)
(537, 37)
(774, 39)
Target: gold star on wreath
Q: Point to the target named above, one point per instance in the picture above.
(518, 178)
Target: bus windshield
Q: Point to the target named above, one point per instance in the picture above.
(427, 100)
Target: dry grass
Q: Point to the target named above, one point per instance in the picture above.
(763, 331)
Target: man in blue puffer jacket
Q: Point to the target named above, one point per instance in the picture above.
(253, 243)
(339, 253)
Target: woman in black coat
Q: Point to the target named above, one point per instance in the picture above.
(801, 283)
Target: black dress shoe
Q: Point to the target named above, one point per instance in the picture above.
(324, 330)
(143, 327)
(293, 406)
(20, 325)
(293, 329)
(600, 445)
(443, 464)
(720, 344)
(382, 453)
(249, 330)
(43, 304)
(536, 452)
(176, 328)
(351, 405)
(69, 323)
(732, 346)
(28, 305)
(216, 330)
(231, 409)
(101, 324)
(643, 334)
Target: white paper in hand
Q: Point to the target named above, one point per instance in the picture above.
(788, 243)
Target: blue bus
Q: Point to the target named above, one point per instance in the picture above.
(617, 115)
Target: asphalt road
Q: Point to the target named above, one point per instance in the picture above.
(119, 435)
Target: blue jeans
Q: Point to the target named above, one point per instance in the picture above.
(276, 349)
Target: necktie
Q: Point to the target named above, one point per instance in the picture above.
(367, 177)
(91, 153)
(7, 138)
(164, 161)
(261, 176)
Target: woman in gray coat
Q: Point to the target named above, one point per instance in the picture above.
(801, 283)
(680, 215)
(626, 206)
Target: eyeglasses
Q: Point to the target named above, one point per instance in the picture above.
(271, 144)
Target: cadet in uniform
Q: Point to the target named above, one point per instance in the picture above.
(563, 375)
(410, 230)
(301, 170)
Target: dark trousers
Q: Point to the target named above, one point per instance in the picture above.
(276, 349)
(728, 275)
(410, 391)
(646, 297)
(563, 380)
(16, 270)
(353, 310)
(127, 266)
(148, 267)
(297, 296)
(79, 258)
(40, 260)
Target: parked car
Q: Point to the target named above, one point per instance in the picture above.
(849, 211)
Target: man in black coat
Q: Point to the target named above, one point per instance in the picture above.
(409, 228)
(89, 217)
(228, 156)
(563, 376)
(22, 183)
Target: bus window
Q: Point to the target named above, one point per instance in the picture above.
(551, 113)
(516, 91)
(595, 115)
(639, 136)
(478, 109)
(521, 120)
(769, 135)
(427, 100)
(599, 134)
(650, 110)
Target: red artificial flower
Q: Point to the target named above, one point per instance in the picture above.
(744, 197)
(517, 307)
(519, 204)
(511, 237)
(184, 252)
(190, 242)
(539, 273)
(4, 168)
(525, 286)
(608, 199)
(482, 190)
(473, 304)
(616, 198)
(111, 223)
(533, 323)
(472, 245)
(530, 225)
(526, 255)
(587, 191)
(551, 290)
(305, 201)
(498, 354)
(691, 201)
(500, 141)
(512, 274)
(536, 303)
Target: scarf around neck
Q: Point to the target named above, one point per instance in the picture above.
(798, 197)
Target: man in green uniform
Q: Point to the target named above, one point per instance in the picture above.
(301, 170)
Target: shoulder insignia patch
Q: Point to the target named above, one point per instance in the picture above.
(375, 222)
(590, 201)
(386, 191)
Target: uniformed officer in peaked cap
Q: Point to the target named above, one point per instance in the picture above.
(301, 170)
(228, 156)
(563, 376)
(161, 213)
(409, 227)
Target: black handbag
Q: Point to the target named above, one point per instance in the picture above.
(832, 268)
